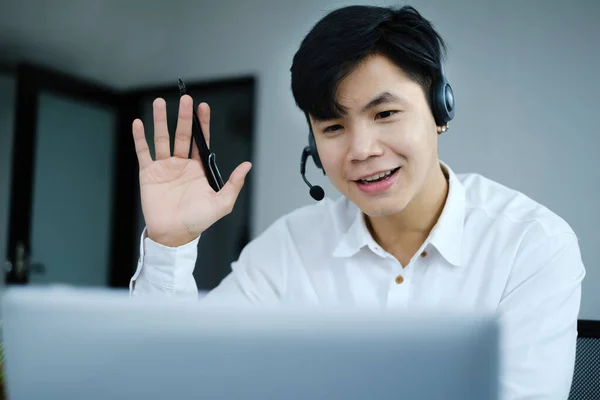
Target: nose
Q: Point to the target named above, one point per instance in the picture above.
(363, 145)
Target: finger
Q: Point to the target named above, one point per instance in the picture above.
(204, 117)
(196, 156)
(229, 193)
(183, 133)
(195, 152)
(162, 143)
(141, 145)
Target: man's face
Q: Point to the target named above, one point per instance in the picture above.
(388, 129)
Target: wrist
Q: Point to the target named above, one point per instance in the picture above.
(170, 240)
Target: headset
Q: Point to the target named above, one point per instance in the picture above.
(442, 102)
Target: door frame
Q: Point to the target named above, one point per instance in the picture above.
(31, 80)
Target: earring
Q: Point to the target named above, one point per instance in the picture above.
(444, 128)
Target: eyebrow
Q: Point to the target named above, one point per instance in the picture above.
(382, 98)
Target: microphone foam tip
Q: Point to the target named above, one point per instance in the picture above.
(317, 193)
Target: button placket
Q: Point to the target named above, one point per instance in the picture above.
(399, 287)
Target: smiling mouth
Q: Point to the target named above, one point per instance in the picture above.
(378, 177)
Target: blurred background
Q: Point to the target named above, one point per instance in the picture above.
(74, 75)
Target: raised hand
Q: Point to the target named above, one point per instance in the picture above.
(177, 201)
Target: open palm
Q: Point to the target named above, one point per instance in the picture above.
(178, 202)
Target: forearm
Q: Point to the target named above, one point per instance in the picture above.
(168, 272)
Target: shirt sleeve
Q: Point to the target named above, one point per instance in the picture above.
(166, 271)
(257, 277)
(538, 314)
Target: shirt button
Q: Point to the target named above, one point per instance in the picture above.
(424, 254)
(399, 279)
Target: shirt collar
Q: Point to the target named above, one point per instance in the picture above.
(356, 236)
(446, 236)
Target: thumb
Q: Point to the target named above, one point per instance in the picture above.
(229, 193)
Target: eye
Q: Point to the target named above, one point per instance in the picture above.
(332, 128)
(385, 114)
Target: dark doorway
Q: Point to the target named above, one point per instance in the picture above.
(232, 110)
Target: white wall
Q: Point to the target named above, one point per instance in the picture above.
(524, 74)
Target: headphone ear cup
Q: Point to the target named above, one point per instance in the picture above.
(313, 150)
(442, 101)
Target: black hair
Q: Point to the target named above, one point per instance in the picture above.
(346, 36)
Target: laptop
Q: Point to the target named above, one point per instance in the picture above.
(69, 343)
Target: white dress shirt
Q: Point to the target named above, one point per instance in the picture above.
(492, 248)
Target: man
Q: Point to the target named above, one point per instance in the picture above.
(407, 232)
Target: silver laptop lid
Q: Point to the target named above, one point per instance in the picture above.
(94, 344)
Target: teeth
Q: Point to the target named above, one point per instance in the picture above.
(376, 176)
